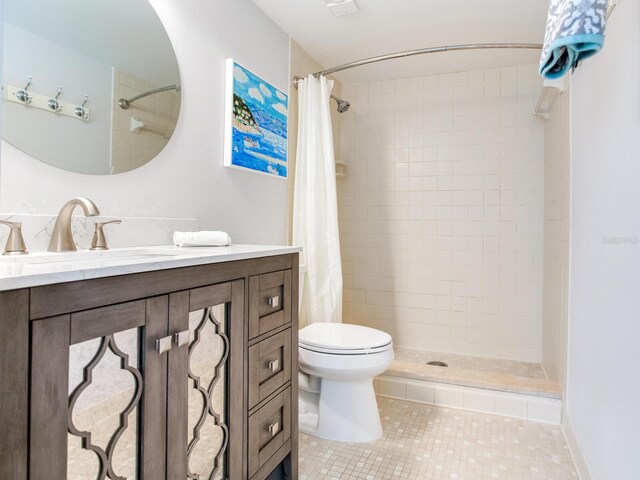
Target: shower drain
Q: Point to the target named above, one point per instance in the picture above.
(437, 363)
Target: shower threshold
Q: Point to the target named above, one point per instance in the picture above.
(478, 372)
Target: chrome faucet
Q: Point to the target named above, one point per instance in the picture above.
(62, 238)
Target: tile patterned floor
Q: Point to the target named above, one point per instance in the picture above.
(424, 442)
(492, 365)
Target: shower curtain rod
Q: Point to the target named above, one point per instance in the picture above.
(124, 103)
(422, 51)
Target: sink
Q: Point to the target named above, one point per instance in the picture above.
(83, 260)
(129, 257)
(90, 258)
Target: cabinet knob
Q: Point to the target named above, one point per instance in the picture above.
(274, 301)
(274, 428)
(182, 338)
(274, 365)
(163, 345)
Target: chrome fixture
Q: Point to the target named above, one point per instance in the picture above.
(99, 241)
(182, 338)
(164, 344)
(62, 238)
(15, 243)
(23, 95)
(422, 51)
(125, 104)
(437, 363)
(53, 104)
(80, 111)
(343, 105)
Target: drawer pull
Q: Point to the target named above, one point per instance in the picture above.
(182, 338)
(274, 428)
(163, 345)
(274, 365)
(274, 302)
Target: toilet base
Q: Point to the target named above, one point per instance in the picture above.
(347, 411)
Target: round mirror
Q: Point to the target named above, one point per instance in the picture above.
(88, 86)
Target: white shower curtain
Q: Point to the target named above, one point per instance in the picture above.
(315, 205)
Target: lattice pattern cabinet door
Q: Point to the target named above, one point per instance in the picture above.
(206, 383)
(98, 389)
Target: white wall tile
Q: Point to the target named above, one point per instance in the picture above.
(448, 397)
(511, 406)
(479, 402)
(392, 388)
(419, 392)
(545, 410)
(517, 405)
(445, 185)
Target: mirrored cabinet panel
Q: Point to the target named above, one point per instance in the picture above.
(208, 432)
(106, 384)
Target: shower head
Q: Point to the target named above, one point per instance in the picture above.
(343, 105)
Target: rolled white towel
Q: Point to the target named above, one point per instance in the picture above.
(201, 239)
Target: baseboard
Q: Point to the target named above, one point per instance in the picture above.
(574, 448)
(515, 405)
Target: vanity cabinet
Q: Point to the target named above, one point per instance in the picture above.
(185, 373)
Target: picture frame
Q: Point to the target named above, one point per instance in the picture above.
(256, 118)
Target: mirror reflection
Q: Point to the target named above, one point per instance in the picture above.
(90, 87)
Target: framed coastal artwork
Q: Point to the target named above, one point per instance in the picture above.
(256, 123)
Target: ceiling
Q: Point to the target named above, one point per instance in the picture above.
(387, 26)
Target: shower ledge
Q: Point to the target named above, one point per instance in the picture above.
(502, 382)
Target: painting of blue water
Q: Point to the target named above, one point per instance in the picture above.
(259, 124)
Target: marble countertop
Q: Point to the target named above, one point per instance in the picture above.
(47, 268)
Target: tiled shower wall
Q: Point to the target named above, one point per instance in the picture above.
(158, 112)
(441, 211)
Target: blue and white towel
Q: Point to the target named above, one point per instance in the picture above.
(575, 31)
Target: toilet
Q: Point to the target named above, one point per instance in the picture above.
(338, 362)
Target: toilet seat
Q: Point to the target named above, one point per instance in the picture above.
(344, 339)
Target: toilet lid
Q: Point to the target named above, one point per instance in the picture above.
(343, 338)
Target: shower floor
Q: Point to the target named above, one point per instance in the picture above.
(489, 373)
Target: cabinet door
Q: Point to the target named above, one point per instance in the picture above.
(98, 393)
(206, 392)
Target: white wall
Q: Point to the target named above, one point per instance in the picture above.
(86, 145)
(441, 212)
(187, 179)
(555, 298)
(603, 391)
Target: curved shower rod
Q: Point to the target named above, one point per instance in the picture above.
(124, 103)
(422, 51)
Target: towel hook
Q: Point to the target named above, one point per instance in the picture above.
(53, 104)
(80, 111)
(23, 95)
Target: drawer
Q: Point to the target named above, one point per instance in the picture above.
(269, 366)
(269, 302)
(269, 429)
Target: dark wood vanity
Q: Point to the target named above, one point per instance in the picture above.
(182, 373)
